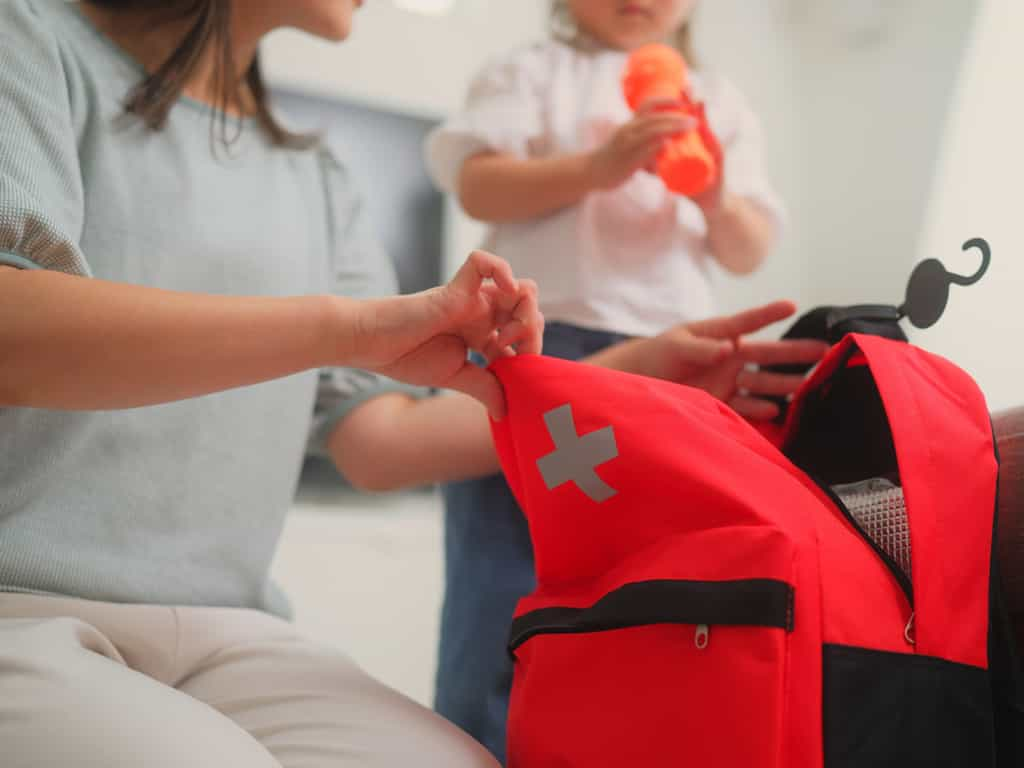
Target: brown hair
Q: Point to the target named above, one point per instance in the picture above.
(154, 96)
(563, 26)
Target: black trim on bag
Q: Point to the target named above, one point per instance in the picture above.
(746, 602)
(904, 710)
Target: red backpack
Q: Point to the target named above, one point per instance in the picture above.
(710, 596)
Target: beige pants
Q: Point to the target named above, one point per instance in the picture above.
(98, 685)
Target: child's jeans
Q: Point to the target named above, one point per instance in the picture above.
(488, 568)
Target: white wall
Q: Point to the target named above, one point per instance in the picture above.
(419, 64)
(978, 193)
(404, 60)
(873, 102)
(749, 43)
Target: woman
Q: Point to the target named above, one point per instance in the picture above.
(165, 303)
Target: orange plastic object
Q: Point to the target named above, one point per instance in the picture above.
(658, 74)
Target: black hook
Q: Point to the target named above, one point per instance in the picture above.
(928, 288)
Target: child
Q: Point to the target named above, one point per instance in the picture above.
(548, 152)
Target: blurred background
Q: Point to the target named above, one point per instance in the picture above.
(893, 130)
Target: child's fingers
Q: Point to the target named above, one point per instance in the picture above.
(656, 130)
(671, 123)
(644, 155)
(655, 106)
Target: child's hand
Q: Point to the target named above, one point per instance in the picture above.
(710, 200)
(634, 147)
(424, 339)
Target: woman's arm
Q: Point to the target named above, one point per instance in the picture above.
(495, 187)
(393, 441)
(77, 343)
(70, 342)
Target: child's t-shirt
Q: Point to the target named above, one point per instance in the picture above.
(633, 259)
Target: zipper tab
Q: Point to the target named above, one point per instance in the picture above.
(702, 636)
(908, 631)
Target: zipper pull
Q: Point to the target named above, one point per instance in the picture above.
(908, 631)
(702, 636)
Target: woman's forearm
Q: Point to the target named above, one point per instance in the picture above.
(76, 343)
(739, 235)
(394, 442)
(498, 188)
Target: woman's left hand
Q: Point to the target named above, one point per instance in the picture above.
(424, 339)
(715, 356)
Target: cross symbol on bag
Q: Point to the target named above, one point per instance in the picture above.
(575, 457)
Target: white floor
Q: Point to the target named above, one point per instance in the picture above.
(365, 575)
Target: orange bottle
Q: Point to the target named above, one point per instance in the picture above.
(658, 74)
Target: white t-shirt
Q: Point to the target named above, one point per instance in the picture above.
(633, 259)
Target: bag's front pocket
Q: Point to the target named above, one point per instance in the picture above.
(663, 672)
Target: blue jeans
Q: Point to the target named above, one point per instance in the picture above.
(488, 568)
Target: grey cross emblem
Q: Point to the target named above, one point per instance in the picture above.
(575, 457)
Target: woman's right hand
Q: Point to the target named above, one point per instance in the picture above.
(633, 147)
(424, 338)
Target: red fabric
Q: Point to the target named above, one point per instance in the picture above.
(702, 495)
(690, 503)
(943, 437)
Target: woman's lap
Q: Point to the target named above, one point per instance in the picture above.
(94, 684)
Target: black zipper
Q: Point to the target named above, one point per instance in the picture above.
(746, 602)
(901, 577)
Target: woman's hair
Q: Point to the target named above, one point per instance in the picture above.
(210, 29)
(564, 26)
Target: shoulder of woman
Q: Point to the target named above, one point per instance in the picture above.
(24, 24)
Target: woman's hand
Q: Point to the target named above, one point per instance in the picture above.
(713, 355)
(424, 338)
(634, 147)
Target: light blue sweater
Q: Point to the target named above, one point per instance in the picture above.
(181, 503)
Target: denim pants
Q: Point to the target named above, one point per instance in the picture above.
(488, 568)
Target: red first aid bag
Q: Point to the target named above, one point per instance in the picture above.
(708, 596)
